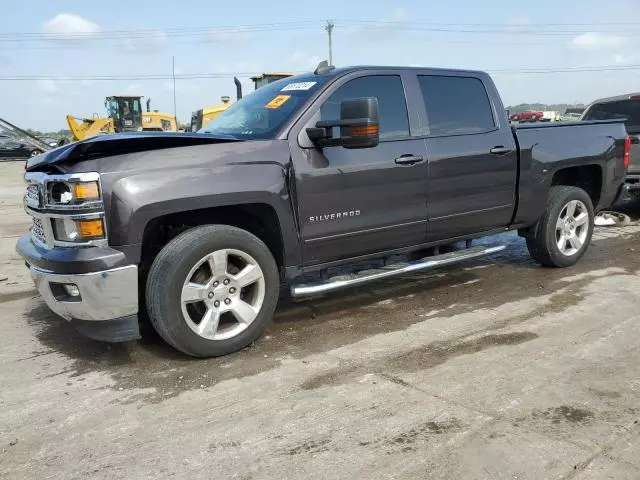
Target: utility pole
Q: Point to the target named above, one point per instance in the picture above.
(173, 74)
(329, 28)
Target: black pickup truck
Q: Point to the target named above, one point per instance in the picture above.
(199, 231)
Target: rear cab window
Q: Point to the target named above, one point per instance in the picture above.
(628, 110)
(456, 105)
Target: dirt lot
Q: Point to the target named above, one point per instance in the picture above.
(500, 369)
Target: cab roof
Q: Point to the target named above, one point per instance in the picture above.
(617, 98)
(337, 72)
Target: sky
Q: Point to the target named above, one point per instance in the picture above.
(65, 56)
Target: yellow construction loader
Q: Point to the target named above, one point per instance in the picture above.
(200, 118)
(124, 114)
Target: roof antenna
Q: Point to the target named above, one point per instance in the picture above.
(323, 67)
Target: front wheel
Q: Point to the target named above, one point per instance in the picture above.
(212, 290)
(563, 234)
(35, 153)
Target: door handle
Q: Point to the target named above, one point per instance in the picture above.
(500, 150)
(408, 159)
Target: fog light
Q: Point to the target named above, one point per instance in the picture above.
(90, 228)
(71, 289)
(68, 230)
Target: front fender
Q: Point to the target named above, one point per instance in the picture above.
(137, 199)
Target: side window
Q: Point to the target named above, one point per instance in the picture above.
(456, 105)
(388, 89)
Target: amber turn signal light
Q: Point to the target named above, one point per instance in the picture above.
(90, 228)
(364, 131)
(86, 191)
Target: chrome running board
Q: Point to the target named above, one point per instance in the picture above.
(365, 276)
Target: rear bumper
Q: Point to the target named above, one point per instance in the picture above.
(632, 180)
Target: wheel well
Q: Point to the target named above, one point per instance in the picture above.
(587, 177)
(259, 219)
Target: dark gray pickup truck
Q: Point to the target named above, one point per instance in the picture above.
(198, 232)
(625, 108)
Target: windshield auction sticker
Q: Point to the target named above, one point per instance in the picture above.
(278, 101)
(298, 86)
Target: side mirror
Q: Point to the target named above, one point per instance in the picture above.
(359, 126)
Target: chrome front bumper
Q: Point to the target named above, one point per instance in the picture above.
(106, 295)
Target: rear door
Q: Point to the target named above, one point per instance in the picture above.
(353, 202)
(622, 109)
(472, 156)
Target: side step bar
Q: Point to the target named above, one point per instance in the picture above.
(351, 280)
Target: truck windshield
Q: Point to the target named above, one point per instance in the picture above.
(623, 109)
(260, 114)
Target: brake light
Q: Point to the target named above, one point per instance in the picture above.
(627, 152)
(634, 97)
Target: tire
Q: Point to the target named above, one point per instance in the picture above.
(34, 153)
(186, 282)
(545, 240)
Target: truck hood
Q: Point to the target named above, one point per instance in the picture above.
(119, 143)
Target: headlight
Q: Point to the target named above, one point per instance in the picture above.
(64, 193)
(86, 191)
(68, 230)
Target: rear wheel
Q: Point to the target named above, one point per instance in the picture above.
(212, 290)
(563, 234)
(34, 153)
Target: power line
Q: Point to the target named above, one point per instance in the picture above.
(144, 33)
(507, 31)
(443, 27)
(196, 76)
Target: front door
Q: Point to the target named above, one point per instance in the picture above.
(353, 202)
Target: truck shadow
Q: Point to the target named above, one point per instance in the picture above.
(301, 329)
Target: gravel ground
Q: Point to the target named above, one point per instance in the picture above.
(494, 369)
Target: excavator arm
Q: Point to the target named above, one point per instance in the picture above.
(82, 128)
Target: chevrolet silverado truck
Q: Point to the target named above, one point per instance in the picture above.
(199, 232)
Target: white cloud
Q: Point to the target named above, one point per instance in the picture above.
(382, 29)
(519, 24)
(625, 59)
(70, 26)
(48, 86)
(182, 87)
(151, 42)
(519, 21)
(303, 61)
(595, 41)
(399, 15)
(227, 37)
(134, 88)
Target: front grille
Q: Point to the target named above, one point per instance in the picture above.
(37, 231)
(33, 193)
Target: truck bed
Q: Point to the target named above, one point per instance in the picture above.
(545, 148)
